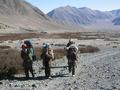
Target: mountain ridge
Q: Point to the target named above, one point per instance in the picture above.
(82, 16)
(25, 16)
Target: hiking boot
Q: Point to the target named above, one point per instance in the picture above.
(73, 75)
(49, 77)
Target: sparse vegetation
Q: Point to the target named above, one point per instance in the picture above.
(10, 41)
(10, 63)
(88, 49)
(67, 35)
(59, 53)
(5, 47)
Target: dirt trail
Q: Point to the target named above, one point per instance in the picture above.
(94, 72)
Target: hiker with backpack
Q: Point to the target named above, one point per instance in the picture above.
(26, 54)
(47, 56)
(72, 57)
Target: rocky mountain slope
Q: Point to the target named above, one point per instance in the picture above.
(83, 16)
(25, 17)
(19, 7)
(116, 12)
(116, 21)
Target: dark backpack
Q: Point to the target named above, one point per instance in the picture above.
(28, 43)
(71, 54)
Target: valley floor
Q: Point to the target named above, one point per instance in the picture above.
(95, 71)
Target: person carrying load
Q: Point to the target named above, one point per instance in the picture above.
(27, 61)
(47, 56)
(72, 57)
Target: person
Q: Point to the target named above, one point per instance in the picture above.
(27, 61)
(47, 56)
(72, 57)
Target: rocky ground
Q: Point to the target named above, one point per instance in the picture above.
(95, 71)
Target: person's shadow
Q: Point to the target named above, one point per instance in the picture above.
(24, 78)
(40, 77)
(61, 75)
(30, 78)
(35, 78)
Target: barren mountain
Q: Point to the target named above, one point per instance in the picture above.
(90, 20)
(24, 17)
(116, 21)
(78, 16)
(116, 12)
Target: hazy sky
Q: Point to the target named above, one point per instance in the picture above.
(104, 5)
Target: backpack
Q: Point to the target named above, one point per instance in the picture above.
(28, 43)
(72, 52)
(72, 57)
(50, 54)
(72, 47)
(31, 51)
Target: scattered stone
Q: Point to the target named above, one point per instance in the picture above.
(56, 73)
(71, 89)
(101, 88)
(76, 88)
(68, 84)
(113, 75)
(10, 85)
(84, 65)
(22, 86)
(96, 82)
(74, 81)
(108, 89)
(108, 77)
(97, 67)
(90, 75)
(1, 83)
(16, 86)
(46, 85)
(34, 86)
(113, 87)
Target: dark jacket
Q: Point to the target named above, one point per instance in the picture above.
(71, 55)
(25, 57)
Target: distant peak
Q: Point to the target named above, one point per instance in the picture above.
(84, 8)
(68, 6)
(64, 7)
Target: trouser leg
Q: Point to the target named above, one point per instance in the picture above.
(49, 72)
(47, 69)
(46, 73)
(69, 67)
(73, 69)
(31, 69)
(26, 72)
